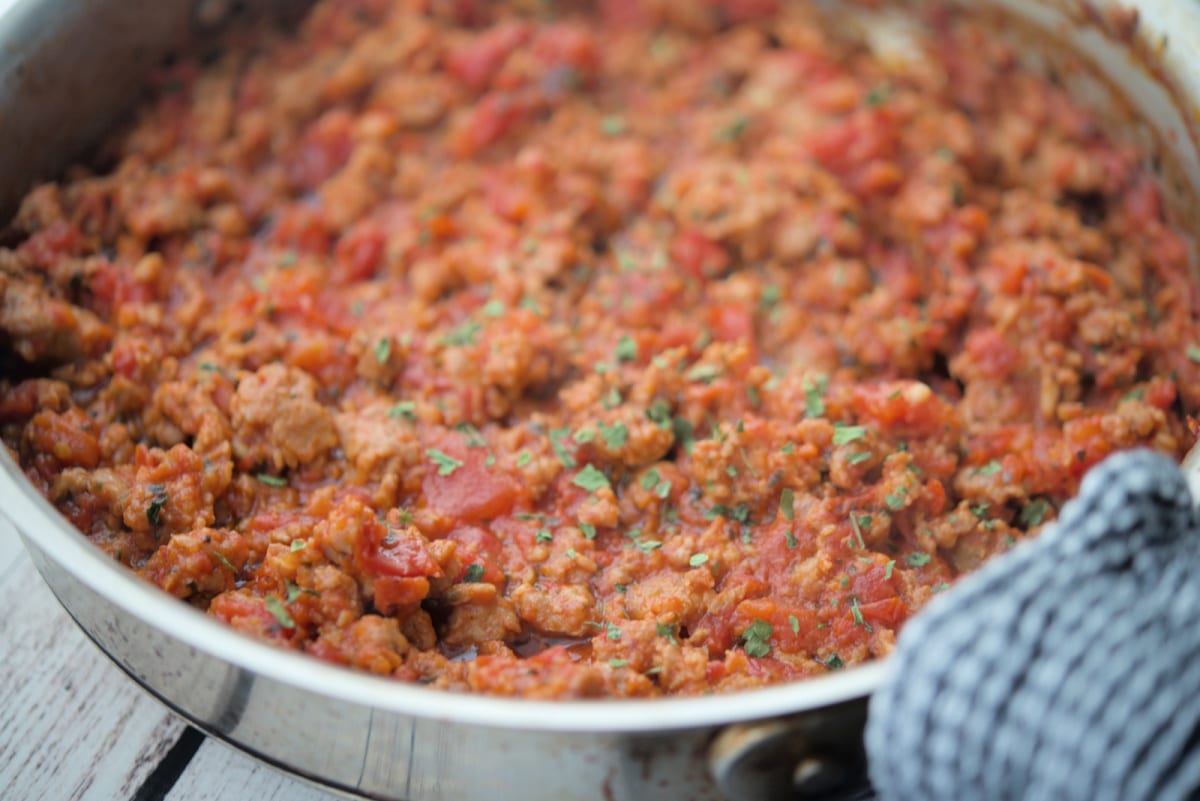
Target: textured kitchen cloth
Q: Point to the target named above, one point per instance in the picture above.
(1067, 669)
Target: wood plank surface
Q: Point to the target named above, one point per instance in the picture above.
(73, 727)
(219, 773)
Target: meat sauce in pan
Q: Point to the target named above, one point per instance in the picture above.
(636, 348)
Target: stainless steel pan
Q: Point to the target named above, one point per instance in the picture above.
(65, 71)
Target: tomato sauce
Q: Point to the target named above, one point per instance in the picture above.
(564, 350)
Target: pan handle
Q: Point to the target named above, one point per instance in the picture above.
(813, 756)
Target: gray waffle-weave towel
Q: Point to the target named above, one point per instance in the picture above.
(1067, 669)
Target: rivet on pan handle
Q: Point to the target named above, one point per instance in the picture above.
(813, 756)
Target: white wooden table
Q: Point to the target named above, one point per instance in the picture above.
(73, 726)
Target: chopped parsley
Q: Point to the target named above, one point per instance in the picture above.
(298, 545)
(1034, 513)
(1193, 353)
(280, 612)
(769, 297)
(543, 535)
(698, 559)
(755, 638)
(403, 410)
(154, 509)
(649, 479)
(627, 349)
(613, 631)
(704, 373)
(590, 479)
(814, 404)
(989, 469)
(493, 308)
(684, 433)
(843, 434)
(611, 399)
(612, 125)
(383, 350)
(895, 500)
(271, 481)
(858, 458)
(588, 530)
(794, 623)
(463, 334)
(659, 412)
(918, 559)
(294, 591)
(663, 490)
(524, 458)
(887, 570)
(787, 504)
(856, 613)
(834, 662)
(564, 456)
(665, 631)
(474, 573)
(617, 663)
(221, 558)
(472, 435)
(584, 435)
(446, 464)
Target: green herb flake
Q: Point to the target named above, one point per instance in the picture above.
(753, 396)
(755, 638)
(858, 458)
(474, 573)
(621, 588)
(792, 542)
(543, 535)
(989, 469)
(794, 623)
(857, 540)
(612, 125)
(403, 410)
(588, 531)
(698, 559)
(294, 591)
(769, 297)
(1193, 353)
(788, 448)
(649, 479)
(524, 458)
(684, 433)
(834, 662)
(887, 570)
(844, 434)
(895, 500)
(918, 559)
(665, 631)
(221, 558)
(660, 413)
(856, 613)
(489, 460)
(280, 612)
(704, 373)
(1034, 513)
(814, 403)
(446, 464)
(463, 334)
(493, 308)
(154, 509)
(209, 367)
(626, 350)
(613, 631)
(472, 435)
(646, 546)
(383, 350)
(584, 435)
(298, 545)
(590, 479)
(271, 481)
(611, 399)
(663, 490)
(787, 504)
